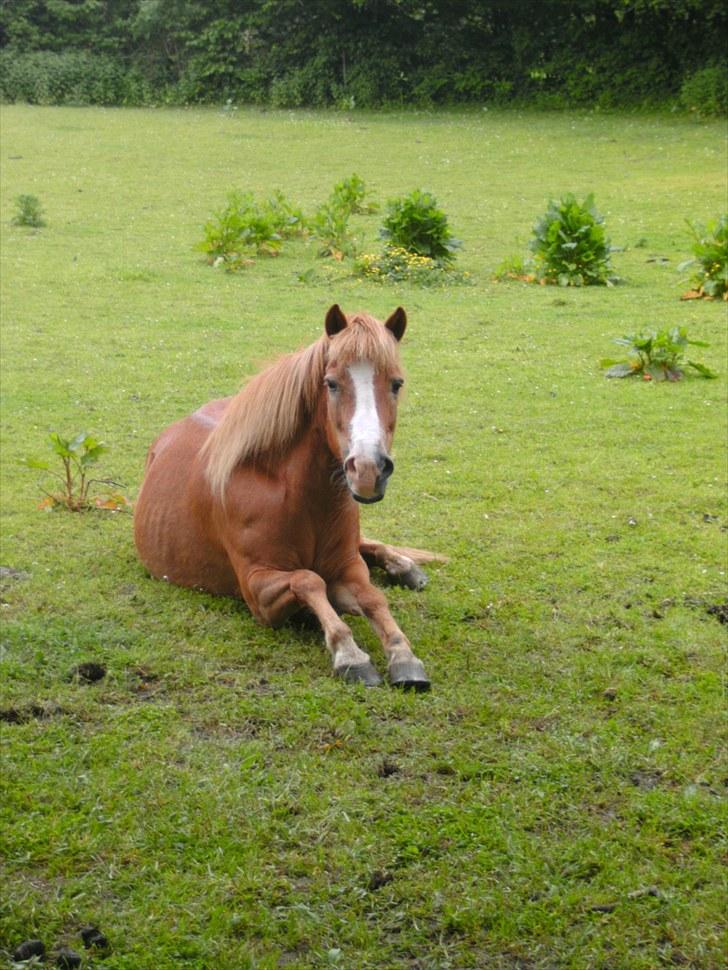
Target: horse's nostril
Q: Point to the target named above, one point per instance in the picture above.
(387, 467)
(350, 466)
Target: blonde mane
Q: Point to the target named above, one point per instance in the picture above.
(266, 416)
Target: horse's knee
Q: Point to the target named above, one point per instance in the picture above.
(278, 596)
(306, 585)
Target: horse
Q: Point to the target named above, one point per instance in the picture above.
(257, 496)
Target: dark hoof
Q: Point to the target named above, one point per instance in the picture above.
(366, 674)
(409, 675)
(411, 578)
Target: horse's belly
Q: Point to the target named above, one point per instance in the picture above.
(173, 528)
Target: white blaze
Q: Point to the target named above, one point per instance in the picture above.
(366, 429)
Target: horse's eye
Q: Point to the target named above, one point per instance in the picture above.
(331, 384)
(396, 385)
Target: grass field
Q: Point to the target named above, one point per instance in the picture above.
(217, 800)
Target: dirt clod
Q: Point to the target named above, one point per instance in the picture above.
(28, 949)
(93, 938)
(68, 959)
(720, 611)
(88, 673)
(379, 879)
(646, 780)
(21, 715)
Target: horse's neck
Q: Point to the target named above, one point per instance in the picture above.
(317, 474)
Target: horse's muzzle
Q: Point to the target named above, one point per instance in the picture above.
(367, 480)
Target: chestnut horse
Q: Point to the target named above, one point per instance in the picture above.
(256, 495)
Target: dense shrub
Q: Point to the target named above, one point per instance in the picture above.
(570, 246)
(330, 223)
(47, 77)
(710, 259)
(416, 224)
(30, 212)
(706, 91)
(351, 193)
(246, 228)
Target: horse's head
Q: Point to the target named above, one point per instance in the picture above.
(363, 378)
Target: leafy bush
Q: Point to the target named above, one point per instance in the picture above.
(29, 212)
(415, 223)
(70, 77)
(710, 258)
(244, 228)
(706, 91)
(330, 225)
(397, 265)
(351, 194)
(570, 246)
(657, 356)
(77, 455)
(287, 219)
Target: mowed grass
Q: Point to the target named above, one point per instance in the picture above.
(218, 800)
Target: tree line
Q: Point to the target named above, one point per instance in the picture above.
(365, 53)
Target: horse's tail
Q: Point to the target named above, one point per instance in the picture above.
(379, 553)
(420, 555)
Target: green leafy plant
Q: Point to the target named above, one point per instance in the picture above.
(415, 223)
(351, 193)
(287, 219)
(710, 259)
(397, 265)
(657, 356)
(706, 91)
(245, 228)
(515, 268)
(29, 212)
(77, 456)
(570, 246)
(330, 225)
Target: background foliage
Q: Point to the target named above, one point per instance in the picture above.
(365, 52)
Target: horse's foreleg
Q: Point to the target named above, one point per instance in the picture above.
(400, 564)
(355, 594)
(274, 595)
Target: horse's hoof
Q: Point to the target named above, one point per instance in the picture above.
(366, 674)
(411, 578)
(409, 675)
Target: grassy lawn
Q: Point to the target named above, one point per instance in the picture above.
(217, 800)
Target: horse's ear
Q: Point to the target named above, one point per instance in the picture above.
(335, 320)
(397, 323)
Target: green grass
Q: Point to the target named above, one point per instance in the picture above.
(218, 800)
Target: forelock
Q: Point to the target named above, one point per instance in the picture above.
(364, 338)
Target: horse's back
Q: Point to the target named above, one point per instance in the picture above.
(173, 521)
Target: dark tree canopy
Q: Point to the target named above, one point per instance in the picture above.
(368, 52)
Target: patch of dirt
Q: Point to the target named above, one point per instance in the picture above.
(88, 673)
(719, 610)
(378, 879)
(387, 769)
(145, 683)
(31, 712)
(646, 779)
(10, 575)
